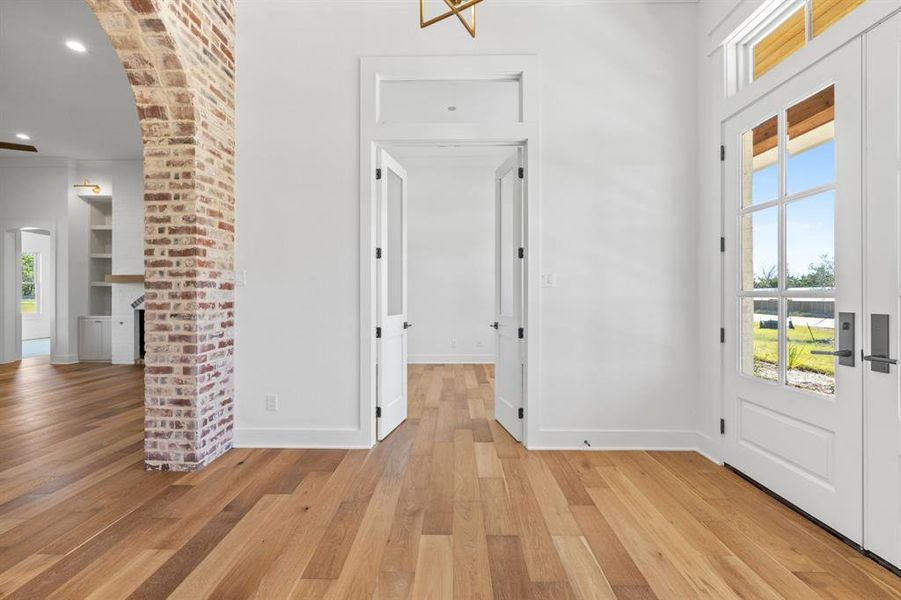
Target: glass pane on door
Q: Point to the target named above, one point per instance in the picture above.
(810, 242)
(760, 250)
(811, 328)
(760, 337)
(508, 246)
(787, 246)
(810, 160)
(394, 246)
(760, 163)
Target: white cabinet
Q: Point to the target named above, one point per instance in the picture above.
(95, 339)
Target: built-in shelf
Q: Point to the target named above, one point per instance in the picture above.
(101, 284)
(102, 255)
(96, 197)
(101, 228)
(125, 278)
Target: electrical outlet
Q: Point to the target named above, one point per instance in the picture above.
(272, 403)
(549, 280)
(453, 342)
(241, 278)
(479, 343)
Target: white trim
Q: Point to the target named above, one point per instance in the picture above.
(64, 359)
(525, 134)
(619, 439)
(859, 21)
(451, 359)
(273, 437)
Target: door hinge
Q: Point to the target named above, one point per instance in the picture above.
(522, 173)
(722, 335)
(522, 413)
(378, 412)
(722, 244)
(378, 252)
(722, 426)
(522, 252)
(378, 173)
(522, 333)
(722, 153)
(378, 332)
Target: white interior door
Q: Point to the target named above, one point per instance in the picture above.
(510, 253)
(793, 286)
(881, 264)
(392, 325)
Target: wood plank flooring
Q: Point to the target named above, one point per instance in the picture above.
(449, 506)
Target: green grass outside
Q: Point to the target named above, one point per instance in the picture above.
(29, 307)
(801, 341)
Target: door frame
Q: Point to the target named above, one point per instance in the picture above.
(781, 98)
(373, 134)
(10, 288)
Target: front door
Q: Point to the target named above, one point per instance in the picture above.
(509, 259)
(793, 292)
(392, 325)
(882, 321)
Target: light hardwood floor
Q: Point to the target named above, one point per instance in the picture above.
(448, 506)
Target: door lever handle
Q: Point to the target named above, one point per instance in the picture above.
(407, 325)
(494, 325)
(880, 359)
(839, 353)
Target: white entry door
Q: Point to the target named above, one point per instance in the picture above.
(882, 316)
(510, 255)
(793, 292)
(392, 325)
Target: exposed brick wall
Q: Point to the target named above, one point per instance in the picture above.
(179, 58)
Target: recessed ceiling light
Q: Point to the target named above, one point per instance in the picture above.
(23, 136)
(76, 46)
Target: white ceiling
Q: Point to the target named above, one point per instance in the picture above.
(73, 105)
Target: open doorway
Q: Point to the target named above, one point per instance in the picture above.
(37, 298)
(450, 254)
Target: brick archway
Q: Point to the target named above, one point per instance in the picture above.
(179, 59)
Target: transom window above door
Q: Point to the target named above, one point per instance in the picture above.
(778, 30)
(786, 221)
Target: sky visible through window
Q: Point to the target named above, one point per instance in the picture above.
(809, 222)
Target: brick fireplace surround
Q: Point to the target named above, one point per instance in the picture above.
(179, 58)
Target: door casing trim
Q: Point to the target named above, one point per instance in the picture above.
(373, 134)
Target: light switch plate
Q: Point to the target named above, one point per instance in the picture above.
(272, 403)
(549, 280)
(241, 278)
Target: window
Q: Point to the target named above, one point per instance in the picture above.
(780, 29)
(787, 222)
(31, 283)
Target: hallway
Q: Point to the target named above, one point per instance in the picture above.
(448, 506)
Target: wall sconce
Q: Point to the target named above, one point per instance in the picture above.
(95, 189)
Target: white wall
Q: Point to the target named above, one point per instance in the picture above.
(128, 254)
(450, 260)
(40, 325)
(618, 212)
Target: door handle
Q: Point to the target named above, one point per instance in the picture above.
(839, 353)
(879, 344)
(494, 325)
(880, 359)
(407, 325)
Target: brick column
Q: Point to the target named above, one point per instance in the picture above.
(178, 55)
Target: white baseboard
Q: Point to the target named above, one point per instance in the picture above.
(299, 438)
(618, 439)
(63, 359)
(451, 359)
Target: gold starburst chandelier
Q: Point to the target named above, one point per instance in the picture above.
(456, 8)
